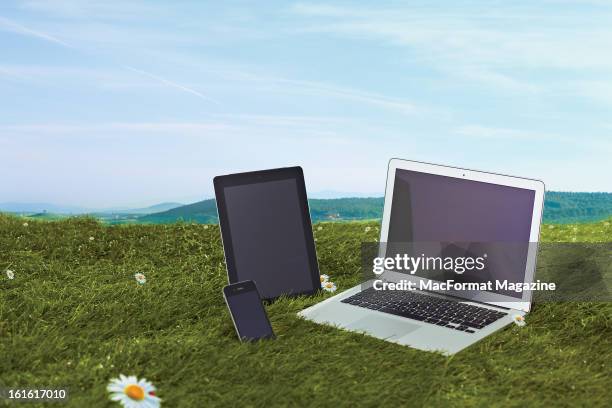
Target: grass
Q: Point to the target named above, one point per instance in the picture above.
(75, 317)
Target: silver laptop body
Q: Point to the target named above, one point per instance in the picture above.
(431, 188)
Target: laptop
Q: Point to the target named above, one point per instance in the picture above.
(434, 212)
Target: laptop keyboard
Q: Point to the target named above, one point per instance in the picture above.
(428, 309)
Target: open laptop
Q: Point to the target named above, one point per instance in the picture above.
(432, 210)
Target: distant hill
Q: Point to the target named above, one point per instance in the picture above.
(204, 212)
(45, 216)
(42, 208)
(346, 209)
(35, 208)
(146, 210)
(320, 209)
(560, 207)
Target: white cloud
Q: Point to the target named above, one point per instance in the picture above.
(497, 47)
(11, 26)
(173, 84)
(115, 78)
(479, 131)
(496, 80)
(114, 129)
(598, 90)
(588, 142)
(321, 89)
(84, 9)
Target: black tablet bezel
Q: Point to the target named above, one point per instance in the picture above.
(255, 177)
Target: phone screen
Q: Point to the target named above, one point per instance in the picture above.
(248, 313)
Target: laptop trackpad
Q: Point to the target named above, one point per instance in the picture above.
(383, 327)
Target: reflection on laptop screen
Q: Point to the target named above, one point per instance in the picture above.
(459, 214)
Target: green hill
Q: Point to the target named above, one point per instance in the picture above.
(346, 208)
(339, 209)
(203, 212)
(559, 208)
(46, 216)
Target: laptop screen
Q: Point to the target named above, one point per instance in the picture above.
(463, 217)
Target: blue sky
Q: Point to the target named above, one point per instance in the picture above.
(131, 103)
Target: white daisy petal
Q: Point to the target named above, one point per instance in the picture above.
(519, 320)
(131, 392)
(140, 278)
(329, 286)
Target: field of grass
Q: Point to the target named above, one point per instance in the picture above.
(74, 317)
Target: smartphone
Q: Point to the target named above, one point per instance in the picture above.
(247, 311)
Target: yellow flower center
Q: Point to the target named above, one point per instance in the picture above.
(135, 392)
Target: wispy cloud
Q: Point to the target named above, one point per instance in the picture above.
(108, 9)
(226, 124)
(496, 47)
(598, 90)
(493, 79)
(479, 131)
(11, 26)
(111, 128)
(322, 89)
(173, 84)
(590, 143)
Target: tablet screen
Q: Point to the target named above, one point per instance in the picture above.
(268, 236)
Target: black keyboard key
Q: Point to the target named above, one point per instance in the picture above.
(430, 309)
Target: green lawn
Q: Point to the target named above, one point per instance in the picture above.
(74, 316)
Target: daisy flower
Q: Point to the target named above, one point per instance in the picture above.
(131, 392)
(319, 228)
(206, 227)
(25, 224)
(91, 238)
(329, 286)
(140, 278)
(367, 229)
(324, 279)
(10, 274)
(519, 320)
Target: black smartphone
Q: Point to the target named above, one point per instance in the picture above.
(247, 311)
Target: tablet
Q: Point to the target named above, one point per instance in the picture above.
(266, 231)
